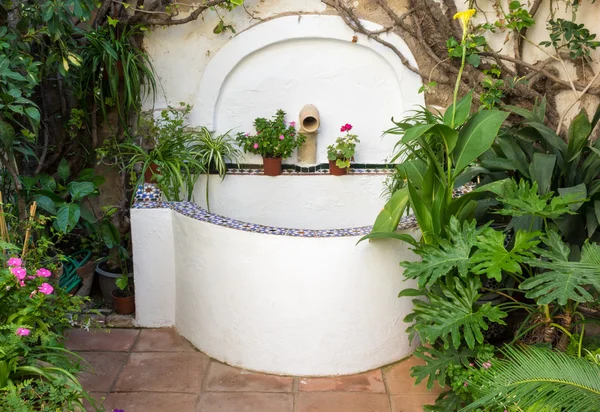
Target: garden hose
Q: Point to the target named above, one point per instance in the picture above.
(69, 280)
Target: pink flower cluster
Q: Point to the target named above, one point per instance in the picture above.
(346, 128)
(486, 365)
(16, 268)
(22, 332)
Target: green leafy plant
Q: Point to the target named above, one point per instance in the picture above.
(173, 160)
(274, 138)
(539, 378)
(65, 198)
(214, 152)
(574, 37)
(116, 72)
(344, 148)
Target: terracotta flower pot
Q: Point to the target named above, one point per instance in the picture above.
(335, 169)
(272, 166)
(124, 305)
(150, 173)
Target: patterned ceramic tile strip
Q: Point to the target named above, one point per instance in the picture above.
(149, 197)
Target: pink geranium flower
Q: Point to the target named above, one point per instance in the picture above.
(46, 288)
(43, 273)
(13, 261)
(256, 145)
(346, 128)
(19, 272)
(293, 124)
(281, 137)
(22, 332)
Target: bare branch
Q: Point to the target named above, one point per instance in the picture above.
(193, 15)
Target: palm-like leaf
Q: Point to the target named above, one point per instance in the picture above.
(438, 261)
(542, 378)
(563, 280)
(452, 314)
(492, 257)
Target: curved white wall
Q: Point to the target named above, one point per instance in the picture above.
(317, 201)
(278, 304)
(291, 61)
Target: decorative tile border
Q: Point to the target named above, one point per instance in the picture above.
(149, 197)
(323, 168)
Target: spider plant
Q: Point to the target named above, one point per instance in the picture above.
(119, 73)
(174, 151)
(213, 152)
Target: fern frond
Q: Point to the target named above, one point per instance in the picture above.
(534, 376)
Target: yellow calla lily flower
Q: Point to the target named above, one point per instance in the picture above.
(465, 17)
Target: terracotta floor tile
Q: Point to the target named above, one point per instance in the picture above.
(365, 382)
(162, 340)
(102, 370)
(103, 340)
(225, 378)
(342, 402)
(412, 403)
(399, 381)
(245, 402)
(98, 397)
(163, 372)
(151, 402)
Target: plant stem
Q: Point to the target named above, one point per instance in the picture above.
(556, 325)
(546, 310)
(207, 200)
(458, 78)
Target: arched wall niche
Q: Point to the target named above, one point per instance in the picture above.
(291, 61)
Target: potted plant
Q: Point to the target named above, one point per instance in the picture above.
(166, 153)
(274, 140)
(213, 153)
(342, 152)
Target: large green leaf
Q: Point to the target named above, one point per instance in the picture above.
(476, 137)
(437, 362)
(63, 170)
(450, 254)
(45, 203)
(79, 190)
(421, 211)
(563, 280)
(541, 170)
(463, 109)
(413, 170)
(578, 133)
(67, 217)
(390, 235)
(492, 257)
(515, 153)
(415, 132)
(389, 217)
(454, 315)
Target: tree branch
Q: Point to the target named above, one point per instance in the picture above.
(169, 22)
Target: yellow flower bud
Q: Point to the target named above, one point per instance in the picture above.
(465, 17)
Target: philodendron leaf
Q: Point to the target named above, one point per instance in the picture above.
(476, 137)
(452, 253)
(492, 258)
(578, 133)
(454, 315)
(389, 217)
(563, 280)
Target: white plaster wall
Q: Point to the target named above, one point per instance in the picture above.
(278, 304)
(292, 306)
(303, 202)
(154, 266)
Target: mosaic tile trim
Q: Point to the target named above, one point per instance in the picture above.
(323, 168)
(150, 198)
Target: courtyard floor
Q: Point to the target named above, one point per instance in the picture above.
(156, 370)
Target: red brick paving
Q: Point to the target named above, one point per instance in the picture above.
(156, 370)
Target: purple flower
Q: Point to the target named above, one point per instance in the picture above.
(118, 410)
